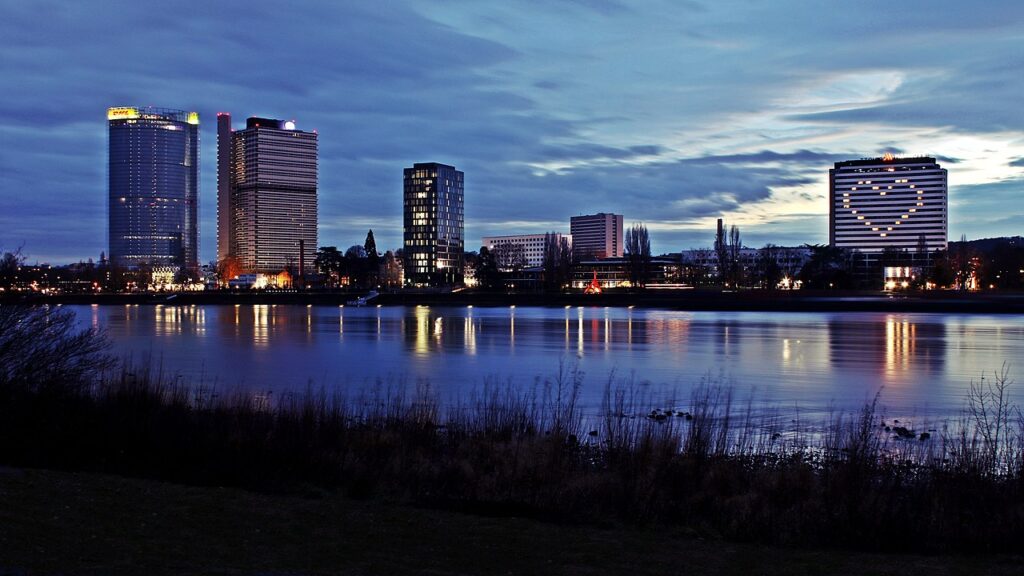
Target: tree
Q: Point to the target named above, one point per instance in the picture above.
(355, 264)
(941, 273)
(329, 263)
(557, 261)
(768, 270)
(9, 264)
(228, 268)
(487, 269)
(735, 266)
(721, 249)
(510, 257)
(372, 259)
(964, 263)
(41, 346)
(638, 254)
(829, 267)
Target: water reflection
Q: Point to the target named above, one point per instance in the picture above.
(888, 349)
(798, 357)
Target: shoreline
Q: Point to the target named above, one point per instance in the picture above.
(682, 300)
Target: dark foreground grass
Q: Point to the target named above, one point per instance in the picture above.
(715, 470)
(712, 469)
(73, 523)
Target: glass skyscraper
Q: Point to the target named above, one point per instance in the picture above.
(153, 188)
(433, 225)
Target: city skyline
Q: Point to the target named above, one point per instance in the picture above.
(714, 110)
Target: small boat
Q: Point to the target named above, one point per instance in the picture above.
(363, 300)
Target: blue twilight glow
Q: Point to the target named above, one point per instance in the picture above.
(671, 112)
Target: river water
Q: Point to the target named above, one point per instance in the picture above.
(922, 363)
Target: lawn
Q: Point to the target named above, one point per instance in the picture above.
(73, 523)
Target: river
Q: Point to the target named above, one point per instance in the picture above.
(922, 363)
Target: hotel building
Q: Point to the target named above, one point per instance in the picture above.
(888, 202)
(533, 245)
(153, 188)
(267, 209)
(596, 236)
(433, 238)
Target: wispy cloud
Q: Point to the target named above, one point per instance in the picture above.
(674, 114)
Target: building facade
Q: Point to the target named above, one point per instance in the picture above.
(596, 236)
(271, 202)
(433, 239)
(532, 245)
(888, 203)
(153, 188)
(223, 186)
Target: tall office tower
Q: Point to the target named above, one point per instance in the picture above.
(433, 225)
(223, 186)
(888, 202)
(272, 195)
(153, 187)
(596, 235)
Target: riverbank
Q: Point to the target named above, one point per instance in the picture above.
(713, 468)
(55, 522)
(689, 300)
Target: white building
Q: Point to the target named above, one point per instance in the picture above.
(888, 202)
(532, 245)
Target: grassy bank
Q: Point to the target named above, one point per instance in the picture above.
(713, 468)
(74, 523)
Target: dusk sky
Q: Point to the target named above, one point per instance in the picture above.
(673, 113)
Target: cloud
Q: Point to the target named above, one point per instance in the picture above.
(674, 115)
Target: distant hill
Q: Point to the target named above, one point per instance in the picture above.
(989, 244)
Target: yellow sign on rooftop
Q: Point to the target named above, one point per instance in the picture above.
(193, 118)
(122, 113)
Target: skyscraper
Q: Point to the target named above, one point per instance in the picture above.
(433, 225)
(596, 235)
(888, 202)
(153, 187)
(223, 186)
(267, 212)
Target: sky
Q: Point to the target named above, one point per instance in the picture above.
(671, 112)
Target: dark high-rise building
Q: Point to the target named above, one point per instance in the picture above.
(596, 235)
(888, 202)
(153, 188)
(223, 186)
(270, 197)
(433, 225)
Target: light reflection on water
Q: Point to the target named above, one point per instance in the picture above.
(923, 362)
